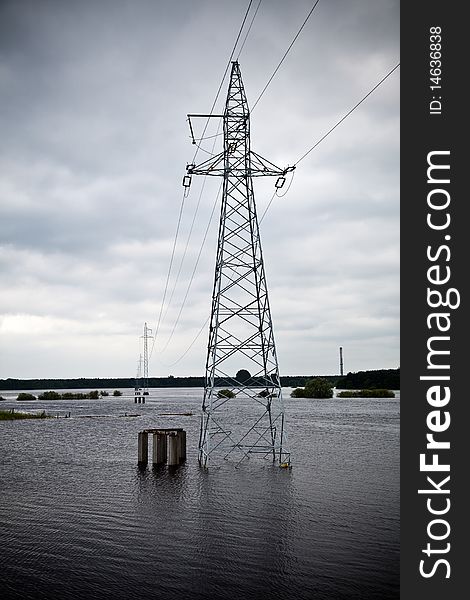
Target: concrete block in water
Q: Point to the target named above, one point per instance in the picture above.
(159, 448)
(143, 448)
(181, 446)
(173, 449)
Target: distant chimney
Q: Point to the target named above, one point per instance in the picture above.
(341, 361)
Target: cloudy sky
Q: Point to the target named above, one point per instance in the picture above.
(94, 144)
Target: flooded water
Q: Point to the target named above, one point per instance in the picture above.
(81, 520)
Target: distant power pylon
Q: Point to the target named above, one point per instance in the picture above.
(145, 371)
(138, 384)
(242, 408)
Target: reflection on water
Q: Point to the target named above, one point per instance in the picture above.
(82, 520)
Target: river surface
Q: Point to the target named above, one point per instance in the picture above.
(80, 520)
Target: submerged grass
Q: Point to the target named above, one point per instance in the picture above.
(378, 393)
(13, 415)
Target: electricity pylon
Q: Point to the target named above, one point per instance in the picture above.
(137, 384)
(242, 408)
(145, 379)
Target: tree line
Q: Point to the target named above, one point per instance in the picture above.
(368, 380)
(383, 378)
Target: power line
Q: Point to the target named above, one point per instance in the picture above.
(188, 239)
(275, 194)
(285, 54)
(194, 158)
(169, 269)
(224, 75)
(249, 29)
(295, 164)
(190, 345)
(195, 154)
(267, 206)
(326, 135)
(189, 234)
(207, 137)
(185, 249)
(193, 272)
(347, 114)
(204, 150)
(202, 188)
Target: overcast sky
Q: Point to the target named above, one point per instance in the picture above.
(94, 143)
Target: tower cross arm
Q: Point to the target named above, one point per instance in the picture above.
(257, 167)
(211, 166)
(261, 166)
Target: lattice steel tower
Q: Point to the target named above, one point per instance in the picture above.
(241, 357)
(145, 375)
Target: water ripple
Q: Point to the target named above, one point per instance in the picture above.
(81, 520)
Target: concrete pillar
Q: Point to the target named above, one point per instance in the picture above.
(159, 448)
(143, 448)
(181, 446)
(173, 454)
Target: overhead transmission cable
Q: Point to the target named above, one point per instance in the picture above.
(188, 239)
(208, 137)
(285, 54)
(184, 252)
(347, 114)
(295, 164)
(198, 147)
(327, 134)
(185, 194)
(207, 123)
(276, 193)
(169, 271)
(224, 75)
(249, 29)
(194, 271)
(204, 325)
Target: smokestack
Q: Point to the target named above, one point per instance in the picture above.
(341, 361)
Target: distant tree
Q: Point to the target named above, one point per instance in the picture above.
(225, 394)
(366, 393)
(379, 379)
(117, 393)
(318, 387)
(51, 395)
(243, 376)
(104, 393)
(24, 396)
(94, 395)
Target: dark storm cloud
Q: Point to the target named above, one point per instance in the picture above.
(94, 97)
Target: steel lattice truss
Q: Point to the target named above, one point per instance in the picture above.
(241, 331)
